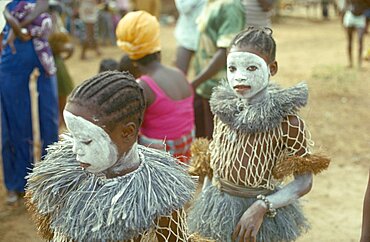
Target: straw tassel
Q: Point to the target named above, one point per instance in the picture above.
(200, 158)
(298, 165)
(42, 221)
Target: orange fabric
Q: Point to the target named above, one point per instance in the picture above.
(138, 34)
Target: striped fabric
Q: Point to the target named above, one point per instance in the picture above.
(179, 148)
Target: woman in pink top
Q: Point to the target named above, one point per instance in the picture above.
(169, 117)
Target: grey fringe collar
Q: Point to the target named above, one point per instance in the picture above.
(85, 207)
(259, 117)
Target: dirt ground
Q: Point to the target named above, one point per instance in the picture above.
(337, 114)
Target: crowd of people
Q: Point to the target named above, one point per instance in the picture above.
(139, 132)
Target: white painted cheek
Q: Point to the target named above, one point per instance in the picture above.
(104, 155)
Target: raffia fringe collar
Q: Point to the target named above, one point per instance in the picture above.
(259, 117)
(84, 207)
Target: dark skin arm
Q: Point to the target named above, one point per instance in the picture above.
(365, 234)
(16, 26)
(41, 7)
(217, 62)
(266, 5)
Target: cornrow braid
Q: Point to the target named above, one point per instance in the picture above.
(259, 38)
(116, 96)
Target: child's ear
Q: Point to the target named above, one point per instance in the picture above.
(273, 68)
(129, 131)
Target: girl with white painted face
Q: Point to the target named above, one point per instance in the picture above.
(258, 141)
(97, 183)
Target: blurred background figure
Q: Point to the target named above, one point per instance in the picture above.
(354, 20)
(88, 13)
(151, 6)
(62, 47)
(26, 48)
(106, 26)
(169, 116)
(186, 32)
(123, 6)
(258, 12)
(218, 23)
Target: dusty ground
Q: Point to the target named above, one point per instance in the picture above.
(337, 114)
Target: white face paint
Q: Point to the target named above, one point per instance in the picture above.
(247, 73)
(92, 144)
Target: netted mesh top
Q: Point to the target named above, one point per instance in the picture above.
(248, 159)
(168, 228)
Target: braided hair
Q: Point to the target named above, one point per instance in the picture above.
(116, 97)
(259, 38)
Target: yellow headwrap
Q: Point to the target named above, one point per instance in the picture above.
(138, 34)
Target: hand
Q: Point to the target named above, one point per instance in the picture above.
(249, 224)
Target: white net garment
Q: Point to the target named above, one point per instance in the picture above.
(170, 228)
(248, 159)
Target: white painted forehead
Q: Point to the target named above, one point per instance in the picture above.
(70, 117)
(245, 57)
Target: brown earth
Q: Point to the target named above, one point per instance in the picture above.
(337, 114)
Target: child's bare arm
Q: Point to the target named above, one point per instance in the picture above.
(365, 234)
(41, 7)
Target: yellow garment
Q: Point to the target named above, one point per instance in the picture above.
(138, 34)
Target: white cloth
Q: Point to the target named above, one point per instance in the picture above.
(3, 4)
(186, 32)
(351, 20)
(254, 15)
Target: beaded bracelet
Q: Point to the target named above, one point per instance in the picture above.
(271, 212)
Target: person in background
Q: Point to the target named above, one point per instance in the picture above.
(169, 116)
(88, 13)
(106, 25)
(28, 27)
(218, 23)
(258, 12)
(354, 20)
(186, 32)
(62, 48)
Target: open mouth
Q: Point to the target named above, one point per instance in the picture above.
(84, 165)
(241, 88)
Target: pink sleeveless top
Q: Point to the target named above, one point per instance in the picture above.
(166, 118)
